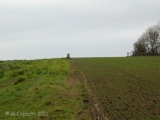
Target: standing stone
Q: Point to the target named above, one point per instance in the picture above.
(68, 56)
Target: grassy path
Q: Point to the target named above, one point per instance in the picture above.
(41, 90)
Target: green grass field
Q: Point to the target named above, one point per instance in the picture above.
(124, 88)
(53, 89)
(41, 90)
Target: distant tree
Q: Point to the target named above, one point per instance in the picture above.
(140, 48)
(149, 42)
(153, 40)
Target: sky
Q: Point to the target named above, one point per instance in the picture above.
(36, 29)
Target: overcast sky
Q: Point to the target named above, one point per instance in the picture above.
(31, 29)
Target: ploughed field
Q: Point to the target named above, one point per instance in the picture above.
(125, 88)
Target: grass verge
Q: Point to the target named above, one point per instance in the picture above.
(41, 90)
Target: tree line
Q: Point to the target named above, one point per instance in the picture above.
(148, 43)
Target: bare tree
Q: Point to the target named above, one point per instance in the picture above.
(140, 48)
(149, 42)
(152, 40)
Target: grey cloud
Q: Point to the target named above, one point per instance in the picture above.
(49, 28)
